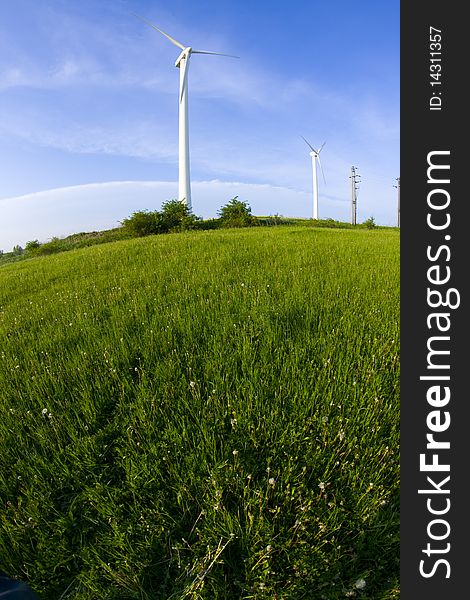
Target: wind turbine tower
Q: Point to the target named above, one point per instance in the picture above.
(182, 62)
(315, 154)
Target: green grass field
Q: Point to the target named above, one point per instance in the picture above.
(205, 415)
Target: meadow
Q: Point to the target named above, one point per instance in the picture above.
(203, 415)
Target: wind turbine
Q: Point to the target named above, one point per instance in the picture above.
(182, 62)
(315, 154)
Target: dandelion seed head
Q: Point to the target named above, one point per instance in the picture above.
(360, 584)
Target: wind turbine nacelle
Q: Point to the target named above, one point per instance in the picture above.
(186, 52)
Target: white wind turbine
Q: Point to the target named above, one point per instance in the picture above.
(182, 62)
(315, 154)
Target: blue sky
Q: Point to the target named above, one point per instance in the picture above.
(89, 109)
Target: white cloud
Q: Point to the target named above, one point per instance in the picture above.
(97, 206)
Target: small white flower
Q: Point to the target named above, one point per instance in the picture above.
(44, 411)
(192, 384)
(235, 452)
(321, 485)
(360, 584)
(269, 548)
(271, 481)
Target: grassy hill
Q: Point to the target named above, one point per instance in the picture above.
(210, 414)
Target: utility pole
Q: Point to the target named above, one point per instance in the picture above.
(398, 201)
(355, 179)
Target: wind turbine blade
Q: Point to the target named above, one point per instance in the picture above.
(320, 149)
(308, 143)
(216, 53)
(321, 168)
(172, 40)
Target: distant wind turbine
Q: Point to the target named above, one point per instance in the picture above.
(315, 154)
(182, 62)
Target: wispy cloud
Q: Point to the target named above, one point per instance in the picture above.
(96, 206)
(96, 81)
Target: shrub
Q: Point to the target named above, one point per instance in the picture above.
(52, 247)
(176, 216)
(370, 223)
(142, 223)
(236, 214)
(32, 246)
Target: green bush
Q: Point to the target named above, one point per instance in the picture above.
(142, 223)
(370, 223)
(176, 216)
(52, 247)
(236, 214)
(32, 246)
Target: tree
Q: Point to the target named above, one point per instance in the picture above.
(17, 250)
(236, 214)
